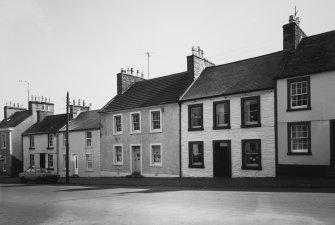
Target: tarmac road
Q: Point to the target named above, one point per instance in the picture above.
(114, 204)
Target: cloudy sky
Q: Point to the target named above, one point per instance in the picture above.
(80, 45)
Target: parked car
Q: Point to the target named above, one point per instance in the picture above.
(39, 175)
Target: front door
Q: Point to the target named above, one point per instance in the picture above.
(222, 159)
(42, 160)
(75, 164)
(332, 144)
(136, 159)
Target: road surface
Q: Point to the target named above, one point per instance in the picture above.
(108, 204)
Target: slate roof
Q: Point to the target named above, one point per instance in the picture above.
(157, 91)
(314, 54)
(85, 121)
(50, 124)
(237, 77)
(15, 119)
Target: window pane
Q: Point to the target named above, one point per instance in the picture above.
(156, 154)
(252, 154)
(222, 114)
(118, 125)
(196, 117)
(136, 121)
(118, 154)
(251, 112)
(196, 155)
(155, 120)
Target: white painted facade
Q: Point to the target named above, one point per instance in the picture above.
(78, 150)
(235, 134)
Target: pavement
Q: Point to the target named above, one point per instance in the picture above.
(281, 182)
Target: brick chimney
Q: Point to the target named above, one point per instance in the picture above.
(10, 110)
(292, 34)
(196, 63)
(40, 107)
(125, 79)
(76, 109)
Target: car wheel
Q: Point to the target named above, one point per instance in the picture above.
(23, 180)
(38, 180)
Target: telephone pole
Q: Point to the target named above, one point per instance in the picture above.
(67, 137)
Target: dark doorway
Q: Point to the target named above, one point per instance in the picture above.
(222, 159)
(42, 160)
(332, 144)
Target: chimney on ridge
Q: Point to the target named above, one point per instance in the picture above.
(125, 80)
(196, 63)
(292, 34)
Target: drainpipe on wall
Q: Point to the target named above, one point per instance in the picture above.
(180, 169)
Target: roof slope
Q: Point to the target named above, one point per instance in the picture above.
(50, 124)
(15, 119)
(314, 54)
(157, 91)
(241, 76)
(85, 121)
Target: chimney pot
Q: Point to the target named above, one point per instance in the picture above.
(84, 102)
(131, 71)
(291, 19)
(79, 102)
(10, 103)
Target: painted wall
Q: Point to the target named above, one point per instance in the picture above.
(169, 138)
(323, 110)
(6, 170)
(77, 145)
(236, 134)
(41, 146)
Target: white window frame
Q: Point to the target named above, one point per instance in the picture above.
(32, 140)
(114, 154)
(4, 164)
(114, 125)
(132, 131)
(32, 164)
(52, 139)
(87, 161)
(86, 138)
(161, 119)
(50, 160)
(300, 138)
(3, 141)
(152, 163)
(300, 94)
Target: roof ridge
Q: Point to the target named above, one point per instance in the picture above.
(242, 60)
(320, 34)
(165, 76)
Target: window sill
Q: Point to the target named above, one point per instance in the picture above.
(196, 167)
(251, 168)
(221, 128)
(196, 129)
(88, 147)
(118, 164)
(156, 165)
(156, 131)
(31, 148)
(89, 170)
(298, 109)
(299, 153)
(135, 132)
(50, 148)
(251, 125)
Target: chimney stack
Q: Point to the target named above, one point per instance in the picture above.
(126, 78)
(10, 110)
(292, 34)
(196, 63)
